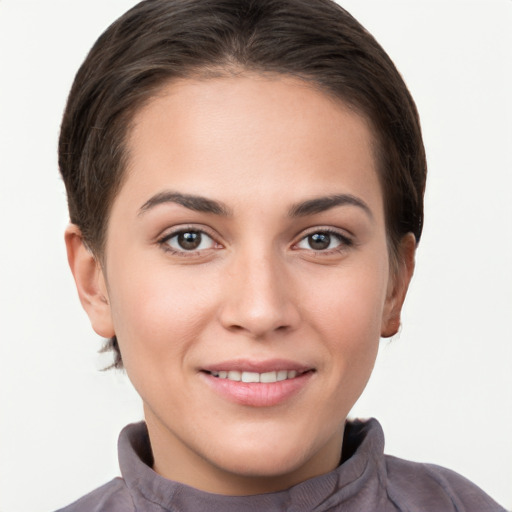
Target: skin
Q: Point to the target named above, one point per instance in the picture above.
(255, 289)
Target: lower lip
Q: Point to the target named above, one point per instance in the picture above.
(258, 394)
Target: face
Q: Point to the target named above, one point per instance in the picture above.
(247, 279)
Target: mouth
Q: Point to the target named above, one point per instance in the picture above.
(258, 384)
(256, 377)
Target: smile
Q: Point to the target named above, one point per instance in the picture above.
(252, 377)
(263, 384)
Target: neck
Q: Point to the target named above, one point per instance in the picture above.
(174, 460)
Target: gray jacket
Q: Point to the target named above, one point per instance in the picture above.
(366, 481)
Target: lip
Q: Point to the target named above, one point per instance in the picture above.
(247, 365)
(257, 394)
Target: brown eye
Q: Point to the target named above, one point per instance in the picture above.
(323, 241)
(319, 241)
(189, 240)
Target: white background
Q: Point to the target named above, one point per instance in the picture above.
(442, 389)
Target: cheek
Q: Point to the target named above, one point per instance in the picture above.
(157, 314)
(347, 311)
(350, 300)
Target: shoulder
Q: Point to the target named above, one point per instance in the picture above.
(111, 497)
(421, 486)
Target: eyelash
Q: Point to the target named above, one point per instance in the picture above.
(163, 242)
(345, 242)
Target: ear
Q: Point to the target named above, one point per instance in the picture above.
(90, 282)
(398, 284)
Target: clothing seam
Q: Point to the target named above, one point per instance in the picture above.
(148, 499)
(441, 483)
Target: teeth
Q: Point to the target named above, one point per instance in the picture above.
(282, 375)
(268, 377)
(250, 377)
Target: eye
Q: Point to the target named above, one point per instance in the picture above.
(188, 240)
(323, 241)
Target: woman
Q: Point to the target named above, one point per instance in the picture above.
(245, 183)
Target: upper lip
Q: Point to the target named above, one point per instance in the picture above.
(249, 365)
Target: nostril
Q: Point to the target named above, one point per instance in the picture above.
(255, 331)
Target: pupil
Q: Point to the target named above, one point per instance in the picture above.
(189, 240)
(319, 241)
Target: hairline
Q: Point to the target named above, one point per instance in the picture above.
(230, 69)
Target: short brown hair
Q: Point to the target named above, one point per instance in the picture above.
(161, 40)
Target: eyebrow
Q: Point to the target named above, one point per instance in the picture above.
(192, 202)
(205, 205)
(321, 204)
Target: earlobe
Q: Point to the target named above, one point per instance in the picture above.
(90, 282)
(399, 283)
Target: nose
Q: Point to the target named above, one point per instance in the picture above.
(259, 297)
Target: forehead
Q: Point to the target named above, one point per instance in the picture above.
(236, 136)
